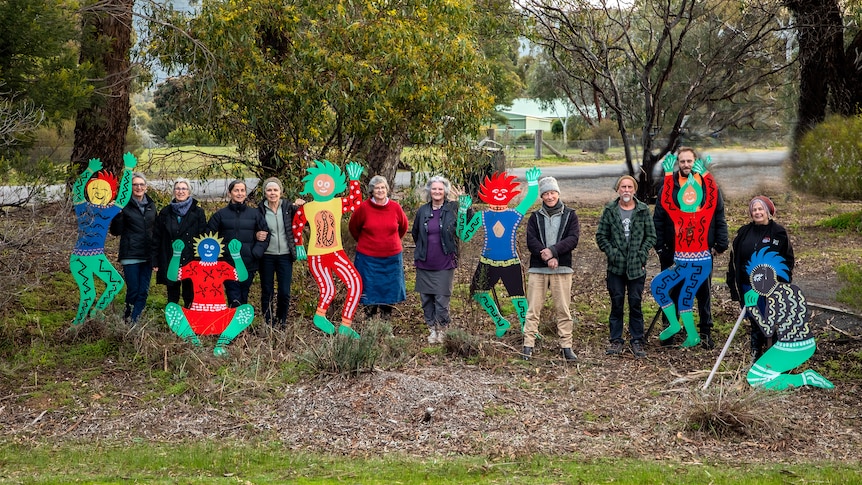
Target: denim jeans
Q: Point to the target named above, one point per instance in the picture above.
(237, 291)
(137, 278)
(618, 286)
(275, 267)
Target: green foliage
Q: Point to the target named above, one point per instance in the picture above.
(829, 159)
(849, 221)
(335, 80)
(600, 134)
(851, 292)
(186, 135)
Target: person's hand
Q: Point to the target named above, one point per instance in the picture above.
(300, 253)
(94, 165)
(464, 202)
(546, 254)
(553, 263)
(669, 163)
(234, 246)
(129, 160)
(261, 235)
(178, 247)
(354, 170)
(533, 175)
(299, 202)
(751, 298)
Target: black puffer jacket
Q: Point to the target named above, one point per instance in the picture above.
(241, 222)
(135, 229)
(288, 210)
(168, 229)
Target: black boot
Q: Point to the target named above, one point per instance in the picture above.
(706, 341)
(527, 353)
(569, 355)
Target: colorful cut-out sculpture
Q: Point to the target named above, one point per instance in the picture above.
(325, 252)
(97, 198)
(779, 309)
(209, 313)
(499, 260)
(691, 215)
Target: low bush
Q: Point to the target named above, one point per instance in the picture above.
(829, 159)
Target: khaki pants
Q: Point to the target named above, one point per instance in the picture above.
(560, 286)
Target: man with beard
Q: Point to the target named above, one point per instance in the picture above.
(625, 234)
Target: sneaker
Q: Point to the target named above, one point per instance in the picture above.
(615, 348)
(569, 355)
(527, 353)
(432, 338)
(706, 341)
(638, 349)
(441, 334)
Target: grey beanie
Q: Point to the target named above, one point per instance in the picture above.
(548, 183)
(273, 180)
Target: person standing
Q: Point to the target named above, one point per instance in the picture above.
(436, 255)
(183, 219)
(552, 234)
(378, 226)
(717, 241)
(238, 221)
(134, 224)
(761, 232)
(277, 260)
(625, 234)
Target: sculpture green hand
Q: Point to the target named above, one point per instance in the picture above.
(751, 298)
(669, 163)
(129, 160)
(300, 253)
(178, 247)
(354, 170)
(464, 202)
(533, 175)
(234, 247)
(94, 165)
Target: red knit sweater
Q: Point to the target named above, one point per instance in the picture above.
(378, 229)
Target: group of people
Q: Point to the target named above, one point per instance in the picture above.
(686, 229)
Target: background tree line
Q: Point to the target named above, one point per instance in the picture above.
(289, 82)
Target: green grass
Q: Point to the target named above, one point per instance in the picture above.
(226, 462)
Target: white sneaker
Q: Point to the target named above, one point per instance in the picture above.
(441, 334)
(433, 338)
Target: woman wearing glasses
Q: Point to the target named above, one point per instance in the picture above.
(134, 225)
(182, 219)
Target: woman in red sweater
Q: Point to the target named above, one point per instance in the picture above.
(378, 226)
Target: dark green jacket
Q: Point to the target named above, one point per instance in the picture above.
(626, 257)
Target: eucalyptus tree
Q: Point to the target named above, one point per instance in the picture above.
(294, 81)
(654, 63)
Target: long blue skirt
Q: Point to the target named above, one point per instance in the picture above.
(382, 279)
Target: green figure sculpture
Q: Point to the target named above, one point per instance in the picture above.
(209, 313)
(779, 309)
(499, 260)
(97, 200)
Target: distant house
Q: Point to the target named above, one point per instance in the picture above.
(525, 116)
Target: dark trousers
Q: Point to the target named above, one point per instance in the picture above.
(703, 297)
(137, 278)
(184, 287)
(275, 267)
(618, 286)
(237, 291)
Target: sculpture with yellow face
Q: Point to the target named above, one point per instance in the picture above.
(98, 198)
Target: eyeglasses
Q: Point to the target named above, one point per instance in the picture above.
(180, 189)
(139, 185)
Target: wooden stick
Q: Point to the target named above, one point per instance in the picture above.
(724, 350)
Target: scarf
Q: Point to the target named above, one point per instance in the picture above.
(552, 211)
(181, 208)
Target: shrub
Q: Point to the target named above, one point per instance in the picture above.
(829, 159)
(737, 409)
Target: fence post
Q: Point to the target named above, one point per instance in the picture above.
(491, 134)
(538, 148)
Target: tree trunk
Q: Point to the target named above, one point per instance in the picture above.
(100, 128)
(820, 35)
(382, 158)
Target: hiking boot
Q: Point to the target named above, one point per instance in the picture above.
(527, 353)
(569, 355)
(615, 348)
(706, 341)
(638, 349)
(432, 338)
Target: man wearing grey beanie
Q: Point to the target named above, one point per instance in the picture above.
(552, 234)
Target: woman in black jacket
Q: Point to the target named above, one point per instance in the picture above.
(183, 219)
(760, 233)
(134, 225)
(247, 225)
